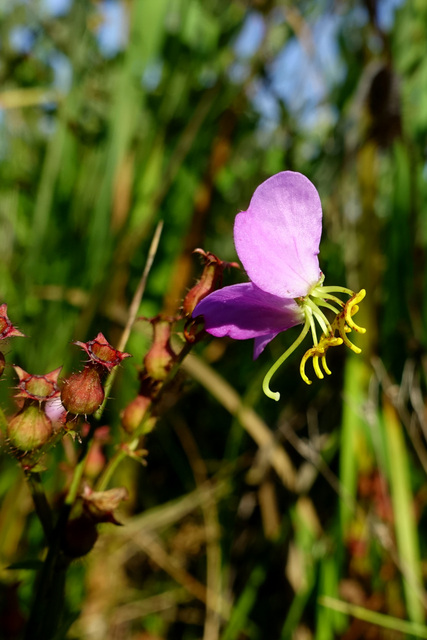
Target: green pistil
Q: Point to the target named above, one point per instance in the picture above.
(275, 395)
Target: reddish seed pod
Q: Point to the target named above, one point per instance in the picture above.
(134, 413)
(210, 280)
(95, 460)
(29, 429)
(82, 392)
(160, 358)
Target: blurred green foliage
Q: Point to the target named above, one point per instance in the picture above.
(115, 115)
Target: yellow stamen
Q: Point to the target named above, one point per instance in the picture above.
(317, 352)
(316, 367)
(325, 366)
(334, 333)
(351, 308)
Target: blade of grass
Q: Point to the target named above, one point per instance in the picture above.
(301, 564)
(45, 194)
(404, 519)
(125, 113)
(379, 619)
(329, 624)
(352, 439)
(241, 610)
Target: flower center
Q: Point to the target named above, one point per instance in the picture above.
(333, 333)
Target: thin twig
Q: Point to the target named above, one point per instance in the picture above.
(133, 310)
(136, 301)
(41, 504)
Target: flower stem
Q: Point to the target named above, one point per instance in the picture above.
(80, 466)
(275, 395)
(109, 469)
(41, 504)
(47, 610)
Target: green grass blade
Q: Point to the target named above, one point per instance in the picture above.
(329, 623)
(352, 437)
(379, 619)
(239, 616)
(404, 519)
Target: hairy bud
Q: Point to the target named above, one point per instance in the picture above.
(30, 428)
(210, 280)
(82, 392)
(134, 413)
(160, 358)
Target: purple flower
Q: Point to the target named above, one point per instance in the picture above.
(277, 240)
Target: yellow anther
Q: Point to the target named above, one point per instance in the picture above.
(325, 366)
(350, 345)
(319, 351)
(304, 359)
(316, 367)
(356, 327)
(313, 308)
(332, 341)
(351, 308)
(351, 322)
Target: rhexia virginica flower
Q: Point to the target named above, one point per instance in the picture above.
(277, 240)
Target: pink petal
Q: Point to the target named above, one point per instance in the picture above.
(56, 412)
(243, 311)
(277, 238)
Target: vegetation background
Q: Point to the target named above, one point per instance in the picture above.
(302, 519)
